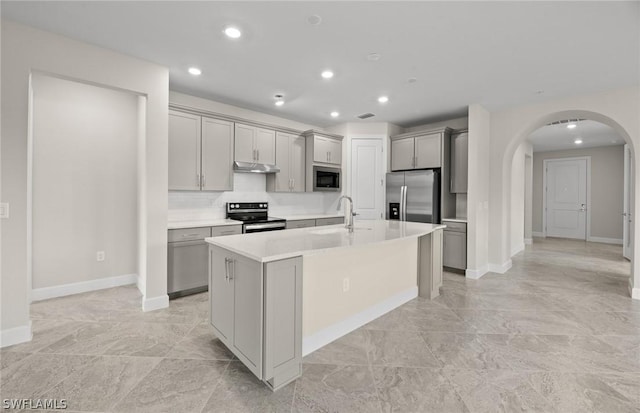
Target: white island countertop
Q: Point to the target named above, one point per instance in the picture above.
(278, 245)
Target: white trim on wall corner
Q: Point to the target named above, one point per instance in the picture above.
(155, 303)
(605, 240)
(538, 234)
(633, 292)
(45, 293)
(518, 249)
(475, 274)
(15, 335)
(528, 241)
(501, 268)
(333, 332)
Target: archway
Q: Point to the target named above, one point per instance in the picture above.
(521, 137)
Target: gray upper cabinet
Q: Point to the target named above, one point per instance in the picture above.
(327, 150)
(184, 151)
(459, 162)
(200, 153)
(402, 154)
(217, 155)
(290, 158)
(428, 150)
(254, 144)
(416, 151)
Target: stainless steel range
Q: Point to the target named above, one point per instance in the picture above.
(254, 216)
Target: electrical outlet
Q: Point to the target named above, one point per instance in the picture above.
(345, 285)
(4, 210)
(100, 256)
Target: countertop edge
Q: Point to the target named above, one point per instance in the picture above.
(216, 241)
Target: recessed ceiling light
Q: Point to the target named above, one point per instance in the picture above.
(374, 57)
(412, 80)
(578, 141)
(195, 71)
(232, 32)
(314, 19)
(383, 99)
(571, 126)
(327, 74)
(279, 102)
(335, 114)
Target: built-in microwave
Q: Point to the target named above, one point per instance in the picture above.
(326, 179)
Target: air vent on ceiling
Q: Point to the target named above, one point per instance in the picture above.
(366, 115)
(560, 122)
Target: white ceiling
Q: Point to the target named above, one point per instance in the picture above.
(494, 53)
(559, 137)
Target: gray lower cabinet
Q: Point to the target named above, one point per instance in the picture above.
(329, 221)
(301, 223)
(256, 311)
(455, 245)
(187, 258)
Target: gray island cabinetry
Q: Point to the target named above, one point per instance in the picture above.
(276, 296)
(271, 350)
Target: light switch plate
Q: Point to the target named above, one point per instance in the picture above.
(4, 210)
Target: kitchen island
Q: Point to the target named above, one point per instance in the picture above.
(276, 296)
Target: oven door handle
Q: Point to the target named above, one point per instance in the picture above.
(250, 227)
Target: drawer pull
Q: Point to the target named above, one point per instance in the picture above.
(190, 235)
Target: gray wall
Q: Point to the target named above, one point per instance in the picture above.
(84, 186)
(607, 176)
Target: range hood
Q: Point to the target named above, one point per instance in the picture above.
(258, 168)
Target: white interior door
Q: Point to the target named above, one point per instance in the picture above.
(627, 227)
(566, 198)
(367, 178)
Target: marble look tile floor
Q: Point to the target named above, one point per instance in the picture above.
(557, 333)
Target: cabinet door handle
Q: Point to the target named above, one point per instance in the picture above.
(227, 269)
(293, 183)
(204, 180)
(257, 154)
(198, 182)
(232, 265)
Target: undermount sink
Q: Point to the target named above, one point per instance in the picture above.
(341, 230)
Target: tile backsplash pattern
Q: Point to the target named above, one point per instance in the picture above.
(248, 187)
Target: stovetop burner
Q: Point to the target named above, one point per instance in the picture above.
(253, 214)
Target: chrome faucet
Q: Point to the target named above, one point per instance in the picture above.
(348, 218)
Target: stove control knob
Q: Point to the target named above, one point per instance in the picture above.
(237, 206)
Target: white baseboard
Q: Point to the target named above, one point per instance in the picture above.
(141, 284)
(45, 293)
(634, 292)
(528, 241)
(501, 268)
(517, 249)
(15, 335)
(605, 240)
(155, 303)
(475, 274)
(327, 335)
(538, 234)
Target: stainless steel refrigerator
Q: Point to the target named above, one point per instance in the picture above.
(414, 196)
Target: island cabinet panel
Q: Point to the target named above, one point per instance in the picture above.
(236, 305)
(283, 322)
(430, 264)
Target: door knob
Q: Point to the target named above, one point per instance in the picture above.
(583, 207)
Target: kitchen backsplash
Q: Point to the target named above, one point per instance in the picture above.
(193, 205)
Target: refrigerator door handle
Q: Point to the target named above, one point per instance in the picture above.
(403, 203)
